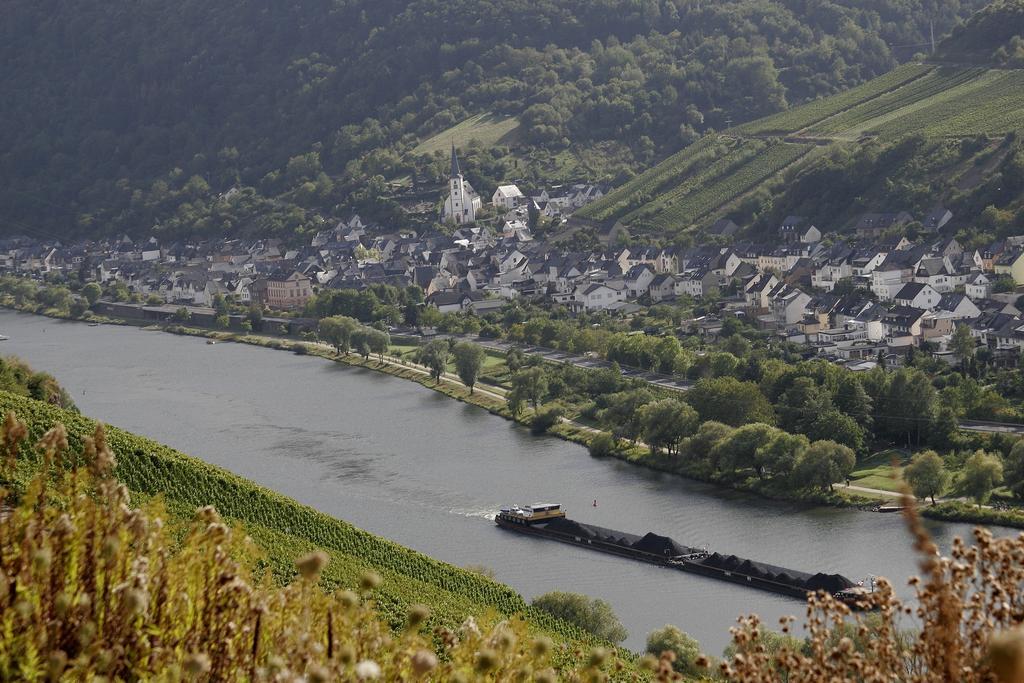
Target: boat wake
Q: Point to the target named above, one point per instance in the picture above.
(474, 513)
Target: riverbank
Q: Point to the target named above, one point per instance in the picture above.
(492, 399)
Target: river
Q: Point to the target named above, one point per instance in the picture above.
(410, 464)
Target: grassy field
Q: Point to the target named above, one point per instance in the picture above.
(877, 471)
(285, 529)
(488, 129)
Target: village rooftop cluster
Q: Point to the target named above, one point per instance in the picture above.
(855, 300)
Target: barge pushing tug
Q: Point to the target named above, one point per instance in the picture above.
(548, 520)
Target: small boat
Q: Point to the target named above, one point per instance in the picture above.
(211, 342)
(94, 324)
(4, 337)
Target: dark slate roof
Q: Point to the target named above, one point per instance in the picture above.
(910, 290)
(456, 171)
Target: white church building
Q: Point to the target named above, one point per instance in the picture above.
(463, 201)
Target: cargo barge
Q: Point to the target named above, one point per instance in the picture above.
(548, 520)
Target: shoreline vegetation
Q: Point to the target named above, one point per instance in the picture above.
(494, 400)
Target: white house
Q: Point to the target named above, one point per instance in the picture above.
(757, 290)
(828, 274)
(978, 287)
(936, 272)
(638, 280)
(662, 287)
(789, 304)
(598, 296)
(917, 295)
(507, 197)
(959, 306)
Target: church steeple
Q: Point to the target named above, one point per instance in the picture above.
(456, 171)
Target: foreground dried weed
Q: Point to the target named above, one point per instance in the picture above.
(969, 607)
(93, 589)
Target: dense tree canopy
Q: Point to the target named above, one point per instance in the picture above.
(139, 115)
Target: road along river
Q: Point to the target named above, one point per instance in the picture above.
(410, 464)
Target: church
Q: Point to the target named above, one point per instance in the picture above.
(463, 201)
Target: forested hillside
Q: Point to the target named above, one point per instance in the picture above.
(929, 132)
(993, 35)
(136, 116)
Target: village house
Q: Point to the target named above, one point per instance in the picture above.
(798, 229)
(662, 287)
(917, 295)
(958, 306)
(903, 325)
(789, 305)
(598, 296)
(507, 197)
(872, 225)
(286, 291)
(1011, 263)
(979, 287)
(638, 280)
(757, 291)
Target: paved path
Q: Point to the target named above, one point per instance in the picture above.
(873, 492)
(991, 427)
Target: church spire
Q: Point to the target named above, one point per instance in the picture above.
(456, 171)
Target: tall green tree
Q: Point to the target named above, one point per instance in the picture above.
(435, 356)
(92, 292)
(963, 345)
(665, 423)
(739, 450)
(1013, 471)
(981, 474)
(337, 331)
(926, 474)
(730, 401)
(778, 457)
(361, 341)
(220, 304)
(852, 399)
(823, 463)
(469, 359)
(909, 407)
(801, 405)
(623, 413)
(840, 427)
(379, 341)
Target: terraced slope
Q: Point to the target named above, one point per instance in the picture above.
(888, 105)
(788, 122)
(751, 162)
(704, 181)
